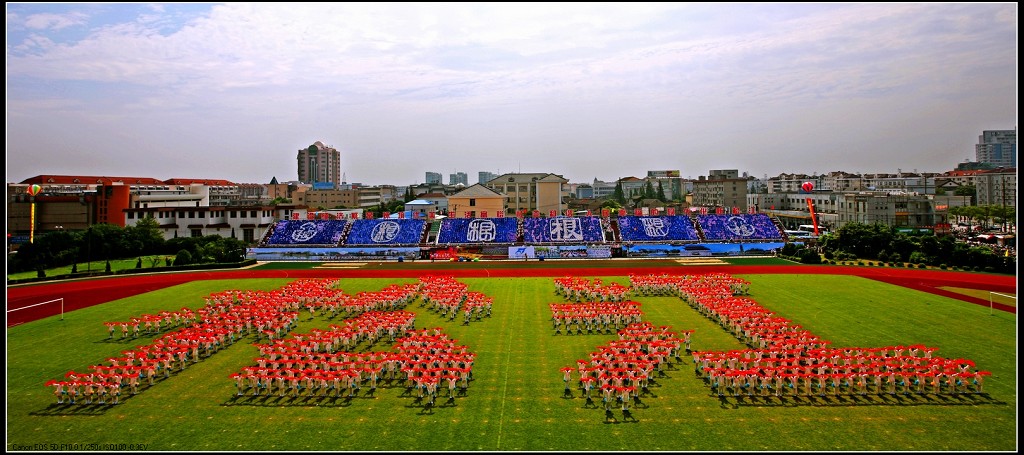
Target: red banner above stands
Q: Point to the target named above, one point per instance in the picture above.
(295, 215)
(401, 215)
(752, 209)
(310, 216)
(483, 214)
(552, 214)
(355, 216)
(703, 210)
(671, 211)
(719, 210)
(369, 215)
(589, 213)
(568, 212)
(500, 214)
(467, 214)
(415, 215)
(735, 210)
(340, 216)
(431, 215)
(654, 211)
(622, 212)
(386, 215)
(605, 213)
(536, 213)
(638, 212)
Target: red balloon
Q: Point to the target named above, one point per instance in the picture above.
(807, 186)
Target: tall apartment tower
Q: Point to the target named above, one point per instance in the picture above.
(320, 166)
(997, 147)
(433, 177)
(457, 178)
(483, 177)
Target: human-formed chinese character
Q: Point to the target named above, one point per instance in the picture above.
(654, 227)
(481, 230)
(385, 232)
(566, 230)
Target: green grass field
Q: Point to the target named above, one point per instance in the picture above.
(148, 262)
(515, 402)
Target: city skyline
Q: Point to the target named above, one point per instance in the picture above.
(583, 91)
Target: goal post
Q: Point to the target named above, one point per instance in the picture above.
(992, 297)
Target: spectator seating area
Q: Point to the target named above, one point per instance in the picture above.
(386, 231)
(563, 229)
(306, 232)
(478, 230)
(511, 231)
(656, 228)
(756, 226)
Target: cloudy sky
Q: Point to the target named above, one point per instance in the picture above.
(233, 91)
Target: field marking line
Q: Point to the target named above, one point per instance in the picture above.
(37, 304)
(508, 365)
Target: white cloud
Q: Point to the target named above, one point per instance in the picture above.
(49, 21)
(514, 77)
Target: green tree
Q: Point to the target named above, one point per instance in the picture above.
(661, 192)
(967, 190)
(144, 238)
(618, 195)
(183, 258)
(611, 204)
(649, 191)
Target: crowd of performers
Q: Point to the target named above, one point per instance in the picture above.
(620, 372)
(786, 359)
(426, 361)
(598, 308)
(448, 297)
(826, 371)
(229, 316)
(576, 289)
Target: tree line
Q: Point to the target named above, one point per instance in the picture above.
(103, 242)
(884, 243)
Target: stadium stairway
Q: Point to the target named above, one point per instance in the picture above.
(700, 231)
(782, 229)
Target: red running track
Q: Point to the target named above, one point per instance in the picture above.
(79, 294)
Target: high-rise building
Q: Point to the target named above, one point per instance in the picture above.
(320, 166)
(457, 178)
(433, 177)
(483, 177)
(997, 147)
(722, 188)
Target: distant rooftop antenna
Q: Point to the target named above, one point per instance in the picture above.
(344, 179)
